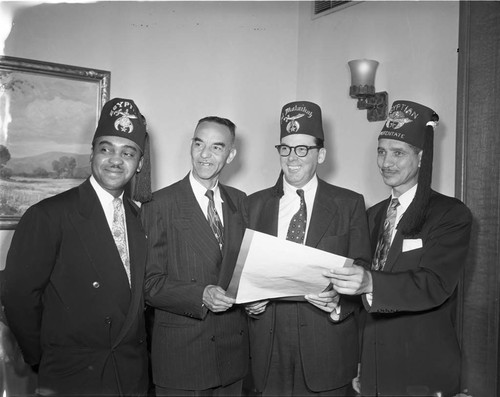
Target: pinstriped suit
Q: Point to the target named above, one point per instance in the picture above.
(76, 315)
(193, 348)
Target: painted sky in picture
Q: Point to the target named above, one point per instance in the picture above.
(43, 113)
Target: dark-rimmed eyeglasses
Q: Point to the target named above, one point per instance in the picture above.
(300, 150)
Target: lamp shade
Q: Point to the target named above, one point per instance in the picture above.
(362, 77)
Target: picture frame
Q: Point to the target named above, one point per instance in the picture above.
(48, 115)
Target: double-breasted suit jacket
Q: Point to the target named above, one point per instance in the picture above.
(68, 300)
(329, 351)
(193, 348)
(410, 344)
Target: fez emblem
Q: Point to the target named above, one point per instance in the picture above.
(293, 125)
(123, 123)
(397, 119)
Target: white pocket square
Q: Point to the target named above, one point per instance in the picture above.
(410, 244)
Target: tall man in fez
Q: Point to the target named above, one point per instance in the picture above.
(307, 346)
(419, 241)
(73, 284)
(195, 228)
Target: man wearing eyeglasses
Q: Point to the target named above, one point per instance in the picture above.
(307, 346)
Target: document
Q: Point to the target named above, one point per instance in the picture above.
(269, 267)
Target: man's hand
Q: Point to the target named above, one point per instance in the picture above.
(328, 301)
(255, 308)
(215, 299)
(352, 280)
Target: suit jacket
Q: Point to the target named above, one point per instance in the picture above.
(193, 348)
(68, 301)
(329, 350)
(410, 345)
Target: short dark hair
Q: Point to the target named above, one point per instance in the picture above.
(222, 121)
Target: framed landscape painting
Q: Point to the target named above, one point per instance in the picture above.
(48, 115)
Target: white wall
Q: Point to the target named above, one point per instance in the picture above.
(416, 45)
(181, 61)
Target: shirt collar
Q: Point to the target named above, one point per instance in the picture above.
(310, 186)
(104, 197)
(406, 198)
(199, 190)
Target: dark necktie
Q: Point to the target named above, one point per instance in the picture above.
(384, 242)
(214, 220)
(297, 228)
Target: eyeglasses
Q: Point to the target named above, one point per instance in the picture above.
(300, 150)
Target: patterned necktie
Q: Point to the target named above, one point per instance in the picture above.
(297, 227)
(214, 219)
(118, 229)
(384, 242)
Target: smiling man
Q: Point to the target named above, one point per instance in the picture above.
(73, 283)
(419, 240)
(308, 346)
(195, 228)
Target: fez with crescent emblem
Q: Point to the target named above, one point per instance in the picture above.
(407, 122)
(301, 117)
(414, 124)
(121, 117)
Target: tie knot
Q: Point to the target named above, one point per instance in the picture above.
(300, 192)
(210, 194)
(117, 203)
(394, 203)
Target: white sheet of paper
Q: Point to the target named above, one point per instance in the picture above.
(269, 267)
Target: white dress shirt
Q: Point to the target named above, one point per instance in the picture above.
(199, 192)
(106, 200)
(290, 204)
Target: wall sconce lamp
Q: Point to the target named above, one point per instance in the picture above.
(363, 88)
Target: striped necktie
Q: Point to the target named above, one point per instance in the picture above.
(384, 242)
(214, 219)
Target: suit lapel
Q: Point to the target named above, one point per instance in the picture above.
(137, 254)
(394, 251)
(90, 223)
(233, 234)
(324, 211)
(192, 223)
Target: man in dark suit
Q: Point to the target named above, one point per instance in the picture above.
(195, 228)
(73, 283)
(307, 347)
(420, 240)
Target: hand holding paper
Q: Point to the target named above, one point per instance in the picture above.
(352, 280)
(269, 267)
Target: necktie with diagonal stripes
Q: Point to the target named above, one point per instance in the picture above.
(214, 219)
(384, 242)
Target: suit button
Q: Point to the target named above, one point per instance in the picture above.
(107, 320)
(95, 284)
(193, 280)
(212, 338)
